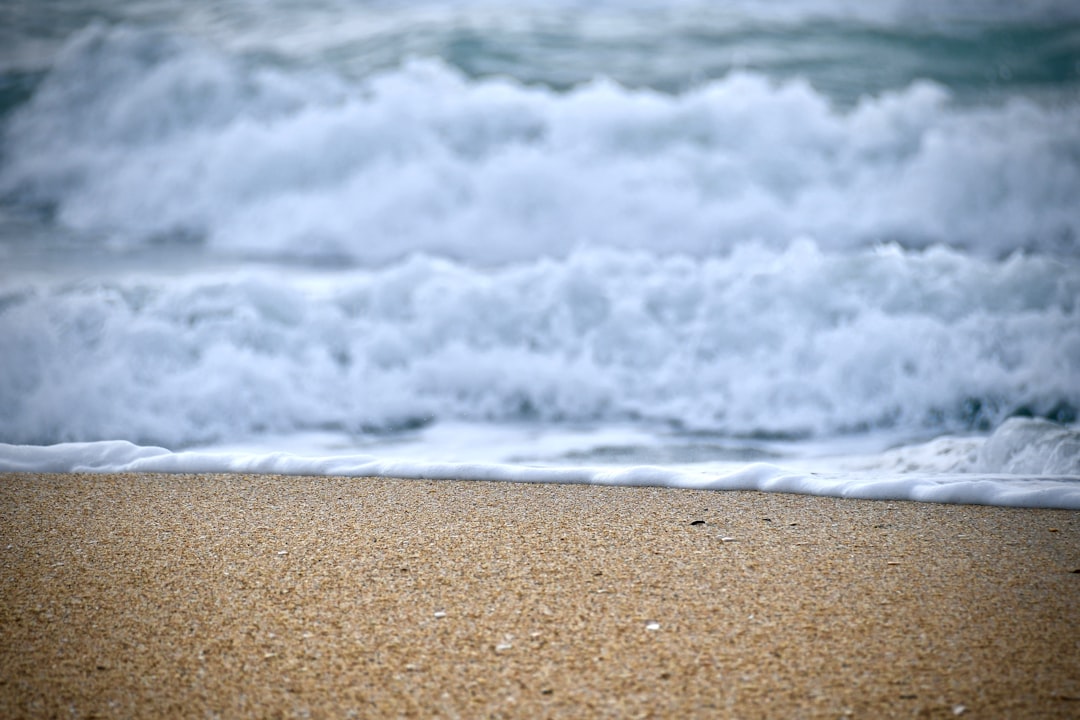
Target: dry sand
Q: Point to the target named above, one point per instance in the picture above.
(261, 596)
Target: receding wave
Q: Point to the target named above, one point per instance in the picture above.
(1024, 463)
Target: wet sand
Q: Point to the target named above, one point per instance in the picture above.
(269, 596)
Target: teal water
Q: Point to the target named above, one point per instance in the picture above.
(975, 50)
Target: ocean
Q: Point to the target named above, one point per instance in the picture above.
(824, 246)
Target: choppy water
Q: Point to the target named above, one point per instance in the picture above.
(719, 234)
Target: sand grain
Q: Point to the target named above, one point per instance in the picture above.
(263, 596)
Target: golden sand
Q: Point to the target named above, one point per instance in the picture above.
(269, 596)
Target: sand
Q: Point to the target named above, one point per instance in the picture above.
(266, 596)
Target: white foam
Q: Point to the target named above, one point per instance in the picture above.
(992, 486)
(798, 341)
(1035, 447)
(709, 260)
(140, 136)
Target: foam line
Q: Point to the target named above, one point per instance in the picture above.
(124, 457)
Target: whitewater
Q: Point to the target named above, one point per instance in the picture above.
(787, 247)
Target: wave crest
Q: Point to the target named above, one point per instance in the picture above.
(146, 136)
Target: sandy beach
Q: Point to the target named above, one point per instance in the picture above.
(270, 596)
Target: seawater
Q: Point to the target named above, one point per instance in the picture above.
(544, 233)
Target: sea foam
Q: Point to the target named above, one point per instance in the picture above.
(798, 342)
(145, 136)
(529, 229)
(993, 485)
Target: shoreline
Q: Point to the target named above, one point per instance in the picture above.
(262, 595)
